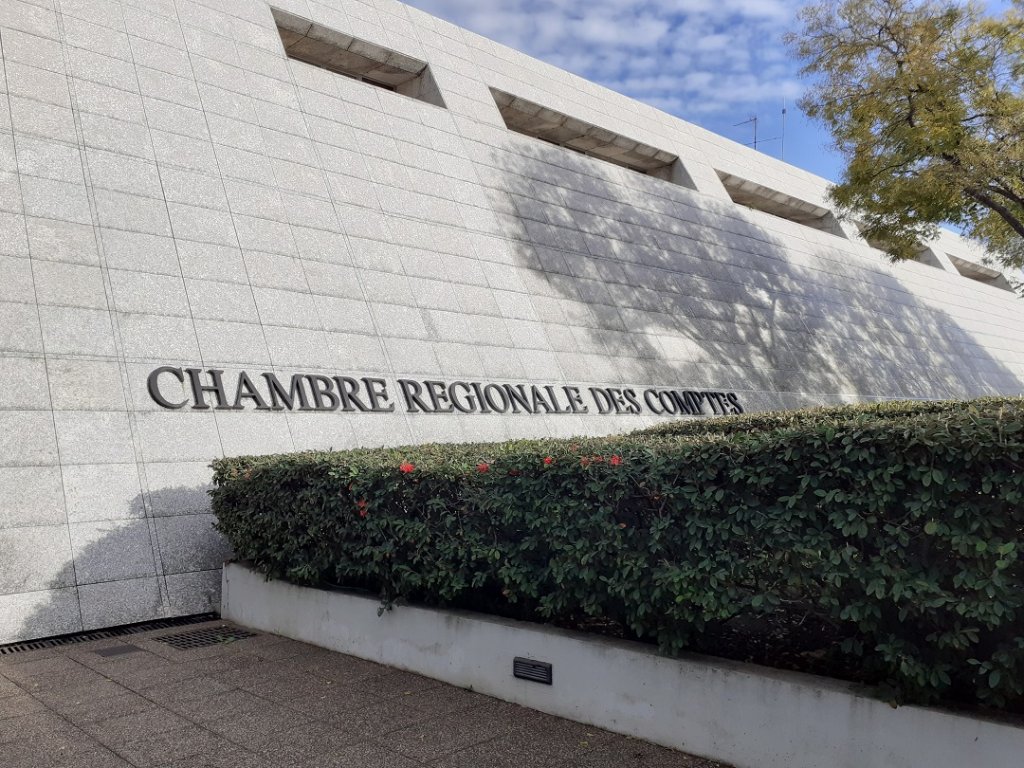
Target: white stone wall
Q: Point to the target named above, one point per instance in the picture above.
(175, 191)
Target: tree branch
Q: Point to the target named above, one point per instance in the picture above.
(994, 205)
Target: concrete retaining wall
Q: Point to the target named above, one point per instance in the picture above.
(746, 715)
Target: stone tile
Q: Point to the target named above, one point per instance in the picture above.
(85, 385)
(52, 240)
(17, 285)
(374, 719)
(189, 543)
(19, 329)
(31, 496)
(322, 745)
(102, 492)
(8, 689)
(19, 704)
(259, 729)
(23, 384)
(123, 173)
(34, 559)
(159, 338)
(35, 726)
(178, 488)
(76, 331)
(188, 697)
(227, 757)
(112, 550)
(632, 753)
(191, 742)
(51, 199)
(125, 730)
(139, 250)
(564, 739)
(74, 757)
(138, 674)
(196, 592)
(94, 437)
(227, 343)
(69, 285)
(356, 353)
(131, 212)
(434, 739)
(148, 293)
(216, 705)
(39, 614)
(67, 749)
(218, 300)
(82, 700)
(106, 708)
(114, 603)
(397, 683)
(445, 699)
(246, 432)
(206, 261)
(46, 121)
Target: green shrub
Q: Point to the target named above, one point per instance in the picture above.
(761, 422)
(896, 529)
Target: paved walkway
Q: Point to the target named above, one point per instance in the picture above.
(269, 702)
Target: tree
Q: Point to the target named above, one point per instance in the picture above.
(925, 102)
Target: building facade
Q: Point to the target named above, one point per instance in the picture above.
(232, 227)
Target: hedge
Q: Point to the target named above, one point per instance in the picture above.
(893, 531)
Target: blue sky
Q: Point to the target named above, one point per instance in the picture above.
(711, 62)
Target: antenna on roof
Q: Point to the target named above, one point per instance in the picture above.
(782, 155)
(753, 120)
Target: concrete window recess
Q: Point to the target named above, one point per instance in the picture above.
(546, 124)
(368, 62)
(981, 273)
(753, 195)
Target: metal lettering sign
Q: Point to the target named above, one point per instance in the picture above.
(200, 390)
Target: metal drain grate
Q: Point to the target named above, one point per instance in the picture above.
(102, 634)
(203, 638)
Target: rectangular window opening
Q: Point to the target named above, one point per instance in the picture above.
(554, 127)
(925, 255)
(761, 198)
(980, 272)
(343, 54)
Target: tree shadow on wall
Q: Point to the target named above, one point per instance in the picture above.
(163, 561)
(658, 285)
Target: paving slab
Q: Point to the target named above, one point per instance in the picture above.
(270, 702)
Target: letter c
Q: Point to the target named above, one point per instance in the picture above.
(650, 396)
(154, 386)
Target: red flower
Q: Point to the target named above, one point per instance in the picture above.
(615, 461)
(483, 466)
(406, 467)
(548, 461)
(584, 462)
(362, 507)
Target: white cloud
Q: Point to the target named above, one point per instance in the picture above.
(704, 60)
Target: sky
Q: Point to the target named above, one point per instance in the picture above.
(715, 63)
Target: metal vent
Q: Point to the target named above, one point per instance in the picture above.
(103, 634)
(203, 638)
(529, 669)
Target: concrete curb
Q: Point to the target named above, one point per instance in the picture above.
(750, 716)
